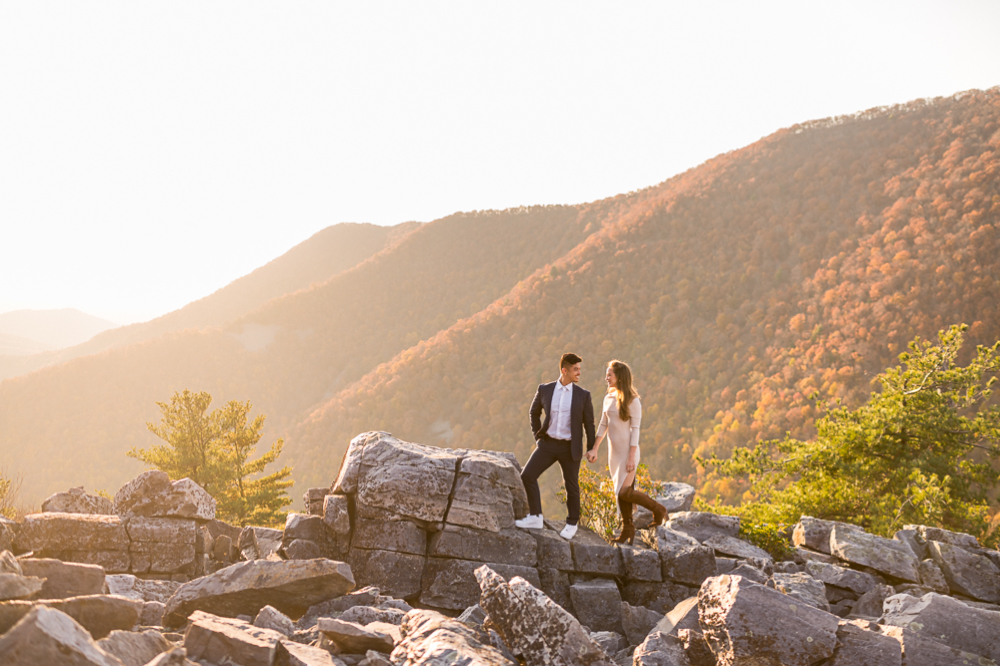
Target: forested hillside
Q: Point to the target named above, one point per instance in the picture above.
(327, 253)
(72, 424)
(802, 263)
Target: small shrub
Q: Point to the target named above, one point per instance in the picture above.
(599, 503)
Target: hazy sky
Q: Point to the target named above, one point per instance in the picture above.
(150, 153)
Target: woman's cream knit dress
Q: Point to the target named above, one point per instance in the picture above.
(622, 436)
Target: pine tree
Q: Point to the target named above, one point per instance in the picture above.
(213, 449)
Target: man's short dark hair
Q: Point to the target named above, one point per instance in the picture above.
(569, 359)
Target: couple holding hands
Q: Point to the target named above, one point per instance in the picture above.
(569, 414)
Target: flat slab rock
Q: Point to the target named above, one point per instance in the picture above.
(534, 625)
(431, 639)
(747, 623)
(858, 582)
(244, 588)
(353, 638)
(966, 572)
(946, 621)
(99, 614)
(727, 545)
(48, 636)
(135, 648)
(814, 533)
(76, 500)
(888, 556)
(59, 532)
(702, 525)
(64, 579)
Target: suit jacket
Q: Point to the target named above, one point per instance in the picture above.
(581, 417)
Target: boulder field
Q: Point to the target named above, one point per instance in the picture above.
(411, 557)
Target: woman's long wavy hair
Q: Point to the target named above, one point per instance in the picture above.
(626, 393)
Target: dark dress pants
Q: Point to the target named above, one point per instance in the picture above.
(547, 453)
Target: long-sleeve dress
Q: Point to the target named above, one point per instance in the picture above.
(622, 436)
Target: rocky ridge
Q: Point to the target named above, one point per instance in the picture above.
(409, 536)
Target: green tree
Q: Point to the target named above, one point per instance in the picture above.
(213, 449)
(921, 450)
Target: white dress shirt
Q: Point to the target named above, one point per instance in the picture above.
(562, 405)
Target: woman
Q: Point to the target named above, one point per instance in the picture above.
(620, 421)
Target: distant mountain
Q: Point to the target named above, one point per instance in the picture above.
(325, 254)
(13, 345)
(53, 329)
(800, 264)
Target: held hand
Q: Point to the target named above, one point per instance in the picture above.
(630, 464)
(591, 456)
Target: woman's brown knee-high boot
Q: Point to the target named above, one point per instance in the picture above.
(628, 529)
(644, 500)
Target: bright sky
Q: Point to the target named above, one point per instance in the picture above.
(152, 152)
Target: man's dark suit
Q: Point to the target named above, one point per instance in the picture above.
(549, 451)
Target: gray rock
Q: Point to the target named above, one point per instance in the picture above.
(222, 549)
(174, 657)
(336, 516)
(65, 536)
(871, 603)
(959, 539)
(696, 648)
(660, 597)
(745, 622)
(133, 648)
(451, 584)
(920, 650)
(609, 641)
(431, 639)
(64, 579)
(397, 574)
(805, 555)
(893, 558)
(674, 497)
(365, 615)
(259, 543)
(290, 653)
(947, 621)
(534, 626)
(858, 582)
(814, 533)
(724, 564)
(555, 584)
(152, 614)
(222, 640)
(488, 493)
(304, 526)
(553, 551)
(76, 500)
(803, 587)
(353, 638)
(161, 544)
(682, 558)
(682, 616)
(401, 536)
(99, 614)
(127, 585)
(407, 479)
(932, 577)
(47, 636)
(271, 618)
(8, 533)
(598, 604)
(966, 572)
(15, 586)
(594, 555)
(914, 541)
(246, 587)
(153, 494)
(300, 549)
(862, 645)
(750, 572)
(702, 525)
(506, 546)
(734, 547)
(641, 563)
(473, 615)
(637, 622)
(659, 649)
(312, 499)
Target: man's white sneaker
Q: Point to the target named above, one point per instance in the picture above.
(530, 522)
(568, 532)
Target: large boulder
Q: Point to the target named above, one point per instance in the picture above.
(858, 582)
(534, 626)
(861, 644)
(259, 543)
(803, 587)
(14, 584)
(659, 649)
(947, 621)
(397, 574)
(674, 497)
(507, 546)
(246, 587)
(76, 537)
(127, 585)
(637, 622)
(411, 480)
(920, 650)
(431, 639)
(488, 493)
(100, 614)
(401, 536)
(451, 584)
(134, 648)
(354, 638)
(682, 558)
(966, 572)
(153, 494)
(48, 636)
(162, 544)
(221, 640)
(814, 533)
(598, 604)
(76, 500)
(747, 623)
(702, 525)
(641, 563)
(64, 579)
(738, 548)
(960, 539)
(887, 556)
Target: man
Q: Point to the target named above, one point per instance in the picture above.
(569, 413)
